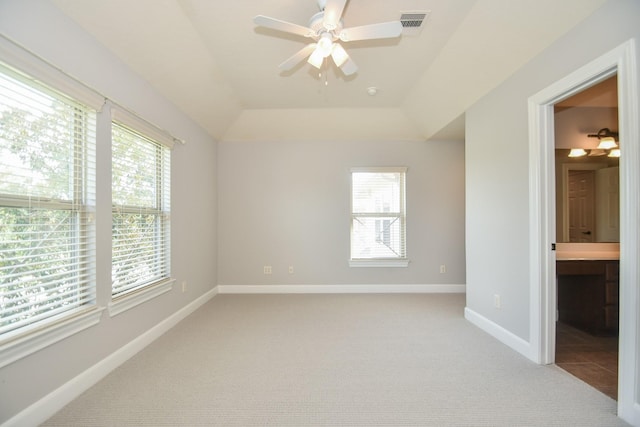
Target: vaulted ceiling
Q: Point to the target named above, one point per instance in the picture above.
(211, 60)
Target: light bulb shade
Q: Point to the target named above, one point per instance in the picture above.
(577, 152)
(614, 153)
(339, 55)
(597, 152)
(325, 45)
(607, 143)
(316, 59)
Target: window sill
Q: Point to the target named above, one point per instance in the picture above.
(128, 301)
(379, 262)
(31, 340)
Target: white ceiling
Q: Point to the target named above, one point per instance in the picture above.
(209, 59)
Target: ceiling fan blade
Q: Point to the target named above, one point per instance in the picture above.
(298, 57)
(287, 27)
(384, 30)
(332, 13)
(349, 67)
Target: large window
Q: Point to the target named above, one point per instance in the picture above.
(378, 217)
(140, 198)
(47, 203)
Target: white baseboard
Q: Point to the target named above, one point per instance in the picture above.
(501, 334)
(46, 407)
(340, 289)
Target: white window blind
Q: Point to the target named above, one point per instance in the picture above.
(47, 201)
(378, 217)
(141, 207)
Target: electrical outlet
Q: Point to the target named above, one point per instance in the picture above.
(267, 269)
(291, 269)
(184, 286)
(443, 269)
(496, 301)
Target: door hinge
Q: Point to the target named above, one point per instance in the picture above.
(553, 246)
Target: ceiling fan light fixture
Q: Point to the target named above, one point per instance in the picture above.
(325, 45)
(614, 153)
(325, 28)
(316, 58)
(339, 55)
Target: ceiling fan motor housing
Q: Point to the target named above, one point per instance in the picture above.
(316, 24)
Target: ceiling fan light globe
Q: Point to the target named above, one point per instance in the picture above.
(325, 45)
(316, 58)
(339, 55)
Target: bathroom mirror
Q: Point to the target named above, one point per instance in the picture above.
(587, 186)
(587, 199)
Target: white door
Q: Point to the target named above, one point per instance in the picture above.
(608, 206)
(581, 206)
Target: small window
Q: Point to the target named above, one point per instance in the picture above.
(140, 199)
(378, 217)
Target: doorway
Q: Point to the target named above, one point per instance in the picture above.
(587, 288)
(620, 61)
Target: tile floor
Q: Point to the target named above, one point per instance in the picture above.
(592, 359)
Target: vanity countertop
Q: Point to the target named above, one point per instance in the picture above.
(586, 256)
(587, 251)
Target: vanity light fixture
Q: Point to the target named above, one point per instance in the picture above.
(597, 152)
(606, 137)
(577, 152)
(607, 145)
(614, 153)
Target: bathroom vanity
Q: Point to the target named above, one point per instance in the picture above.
(588, 287)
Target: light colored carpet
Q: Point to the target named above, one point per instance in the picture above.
(335, 360)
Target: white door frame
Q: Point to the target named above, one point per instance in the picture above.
(621, 61)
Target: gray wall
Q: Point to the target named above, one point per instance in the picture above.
(497, 166)
(42, 29)
(287, 204)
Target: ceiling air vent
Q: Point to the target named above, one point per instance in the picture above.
(412, 21)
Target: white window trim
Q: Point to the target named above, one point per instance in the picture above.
(140, 296)
(30, 339)
(33, 339)
(131, 299)
(132, 120)
(379, 262)
(40, 70)
(380, 169)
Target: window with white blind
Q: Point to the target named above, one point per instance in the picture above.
(47, 205)
(378, 217)
(140, 223)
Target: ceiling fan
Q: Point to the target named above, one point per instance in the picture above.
(326, 30)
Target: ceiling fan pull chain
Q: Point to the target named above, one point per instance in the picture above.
(326, 74)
